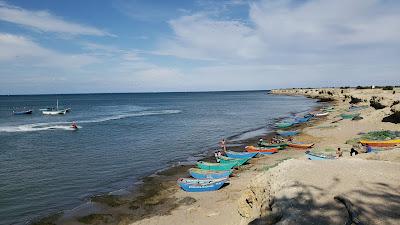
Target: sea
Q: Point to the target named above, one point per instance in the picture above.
(46, 167)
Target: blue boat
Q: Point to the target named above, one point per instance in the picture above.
(201, 185)
(315, 156)
(210, 174)
(22, 112)
(287, 133)
(240, 155)
(302, 119)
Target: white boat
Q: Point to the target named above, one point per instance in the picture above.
(322, 114)
(54, 112)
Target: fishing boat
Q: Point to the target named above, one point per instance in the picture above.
(387, 143)
(322, 114)
(215, 166)
(276, 145)
(284, 124)
(300, 145)
(55, 111)
(302, 119)
(241, 155)
(201, 185)
(261, 150)
(349, 116)
(239, 162)
(287, 133)
(316, 156)
(210, 174)
(22, 112)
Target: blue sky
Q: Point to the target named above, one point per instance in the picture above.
(149, 46)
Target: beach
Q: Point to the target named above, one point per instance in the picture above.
(287, 188)
(283, 188)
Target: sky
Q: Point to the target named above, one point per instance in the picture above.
(91, 46)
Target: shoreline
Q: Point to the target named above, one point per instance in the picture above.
(151, 192)
(286, 188)
(270, 189)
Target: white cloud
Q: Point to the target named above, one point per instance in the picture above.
(285, 31)
(45, 21)
(21, 50)
(198, 36)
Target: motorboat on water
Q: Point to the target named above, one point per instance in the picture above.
(22, 112)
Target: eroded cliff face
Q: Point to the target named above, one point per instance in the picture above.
(386, 100)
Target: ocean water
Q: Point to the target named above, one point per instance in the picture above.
(46, 167)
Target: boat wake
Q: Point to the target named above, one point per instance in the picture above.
(132, 114)
(67, 125)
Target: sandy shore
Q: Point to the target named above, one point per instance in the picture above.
(283, 188)
(286, 188)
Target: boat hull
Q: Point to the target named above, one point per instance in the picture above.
(300, 145)
(313, 156)
(23, 112)
(261, 150)
(52, 113)
(215, 166)
(201, 185)
(209, 174)
(389, 143)
(239, 162)
(283, 125)
(241, 155)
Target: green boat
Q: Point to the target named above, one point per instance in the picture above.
(349, 116)
(215, 166)
(278, 145)
(239, 162)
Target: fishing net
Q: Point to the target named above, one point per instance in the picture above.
(381, 135)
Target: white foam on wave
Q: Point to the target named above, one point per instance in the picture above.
(133, 114)
(67, 125)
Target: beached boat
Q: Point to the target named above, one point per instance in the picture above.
(241, 155)
(287, 133)
(387, 143)
(215, 166)
(239, 162)
(349, 116)
(261, 150)
(284, 124)
(316, 156)
(210, 174)
(277, 145)
(201, 185)
(22, 112)
(300, 145)
(302, 119)
(322, 114)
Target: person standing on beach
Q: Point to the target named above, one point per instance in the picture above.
(339, 153)
(222, 144)
(353, 152)
(260, 142)
(217, 156)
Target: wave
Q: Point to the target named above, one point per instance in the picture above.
(66, 125)
(37, 127)
(134, 114)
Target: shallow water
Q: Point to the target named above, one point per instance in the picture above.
(46, 167)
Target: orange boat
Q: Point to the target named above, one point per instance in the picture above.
(261, 149)
(300, 145)
(388, 143)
